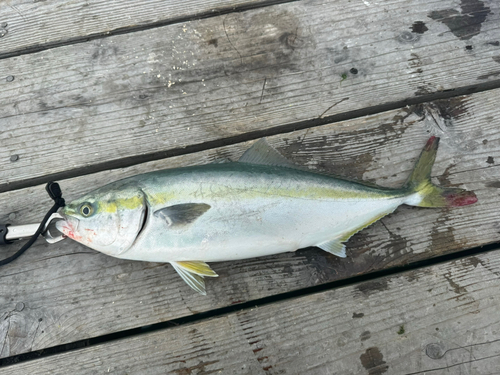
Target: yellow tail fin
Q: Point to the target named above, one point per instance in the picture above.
(430, 194)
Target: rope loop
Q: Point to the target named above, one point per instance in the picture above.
(54, 191)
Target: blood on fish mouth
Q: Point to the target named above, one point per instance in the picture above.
(65, 227)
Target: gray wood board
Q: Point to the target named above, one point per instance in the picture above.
(28, 25)
(437, 320)
(66, 292)
(171, 87)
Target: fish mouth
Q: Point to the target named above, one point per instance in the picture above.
(67, 226)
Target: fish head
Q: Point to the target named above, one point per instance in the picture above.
(107, 220)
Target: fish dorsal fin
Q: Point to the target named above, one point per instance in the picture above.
(192, 272)
(262, 152)
(334, 247)
(180, 215)
(221, 160)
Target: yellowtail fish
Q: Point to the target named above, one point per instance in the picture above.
(260, 205)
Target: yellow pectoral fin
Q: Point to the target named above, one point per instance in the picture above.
(192, 272)
(198, 268)
(195, 281)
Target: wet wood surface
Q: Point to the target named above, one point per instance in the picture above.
(165, 93)
(103, 295)
(439, 320)
(118, 99)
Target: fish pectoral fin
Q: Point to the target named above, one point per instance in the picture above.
(262, 152)
(182, 214)
(334, 247)
(192, 273)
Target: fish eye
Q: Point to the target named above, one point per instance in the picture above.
(86, 209)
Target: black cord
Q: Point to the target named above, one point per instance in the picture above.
(55, 193)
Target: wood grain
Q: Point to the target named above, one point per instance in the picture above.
(43, 24)
(70, 292)
(440, 320)
(167, 88)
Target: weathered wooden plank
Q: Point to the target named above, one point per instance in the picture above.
(42, 24)
(179, 85)
(68, 292)
(439, 320)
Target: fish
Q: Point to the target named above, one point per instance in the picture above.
(260, 205)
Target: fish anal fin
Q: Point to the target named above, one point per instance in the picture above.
(337, 247)
(182, 214)
(334, 247)
(262, 152)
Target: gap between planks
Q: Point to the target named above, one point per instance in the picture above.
(250, 136)
(132, 29)
(223, 311)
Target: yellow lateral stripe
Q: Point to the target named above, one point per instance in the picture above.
(128, 203)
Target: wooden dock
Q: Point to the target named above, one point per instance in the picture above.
(95, 91)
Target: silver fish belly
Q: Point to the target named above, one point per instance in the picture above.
(254, 210)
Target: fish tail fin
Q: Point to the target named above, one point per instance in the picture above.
(423, 193)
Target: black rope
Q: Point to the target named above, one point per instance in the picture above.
(55, 193)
